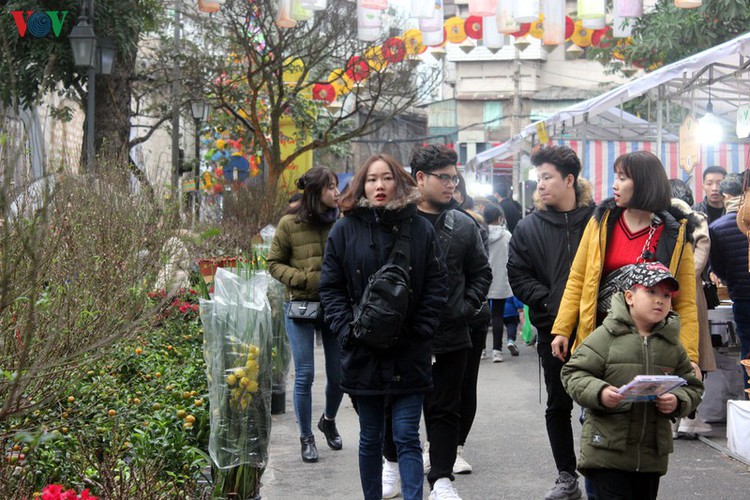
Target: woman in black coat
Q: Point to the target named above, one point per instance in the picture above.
(381, 197)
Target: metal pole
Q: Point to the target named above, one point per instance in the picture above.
(197, 171)
(516, 121)
(659, 120)
(176, 105)
(90, 112)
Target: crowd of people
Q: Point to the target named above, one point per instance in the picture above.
(613, 290)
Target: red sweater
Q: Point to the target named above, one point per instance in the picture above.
(625, 247)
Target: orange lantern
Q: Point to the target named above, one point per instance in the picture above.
(473, 27)
(208, 6)
(454, 30)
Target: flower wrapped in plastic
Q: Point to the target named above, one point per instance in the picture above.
(238, 344)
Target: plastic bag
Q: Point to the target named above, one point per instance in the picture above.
(526, 333)
(238, 345)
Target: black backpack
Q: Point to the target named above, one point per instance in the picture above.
(381, 312)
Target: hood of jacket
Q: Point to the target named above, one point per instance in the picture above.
(394, 212)
(584, 198)
(732, 204)
(620, 322)
(497, 232)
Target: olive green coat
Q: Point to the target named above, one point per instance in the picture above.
(632, 436)
(296, 256)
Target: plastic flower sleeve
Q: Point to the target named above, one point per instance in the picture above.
(238, 352)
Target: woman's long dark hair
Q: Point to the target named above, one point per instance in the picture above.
(356, 190)
(312, 183)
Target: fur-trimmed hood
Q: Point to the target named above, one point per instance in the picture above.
(676, 212)
(584, 196)
(396, 204)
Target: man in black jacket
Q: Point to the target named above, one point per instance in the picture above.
(541, 253)
(511, 210)
(469, 278)
(713, 201)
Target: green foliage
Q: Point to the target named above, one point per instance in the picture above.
(669, 34)
(141, 415)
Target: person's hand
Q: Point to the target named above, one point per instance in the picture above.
(715, 279)
(697, 370)
(610, 397)
(560, 347)
(666, 403)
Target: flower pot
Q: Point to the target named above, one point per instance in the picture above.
(278, 399)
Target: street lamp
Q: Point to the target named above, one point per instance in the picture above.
(200, 109)
(96, 58)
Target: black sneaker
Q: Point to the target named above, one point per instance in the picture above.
(566, 488)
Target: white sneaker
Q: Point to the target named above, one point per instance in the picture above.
(391, 480)
(691, 427)
(484, 354)
(426, 457)
(512, 348)
(497, 356)
(461, 466)
(443, 490)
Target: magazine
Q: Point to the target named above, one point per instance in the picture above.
(649, 387)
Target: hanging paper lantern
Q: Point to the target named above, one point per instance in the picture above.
(525, 11)
(594, 23)
(324, 92)
(208, 6)
(413, 42)
(581, 36)
(315, 4)
(523, 30)
(482, 8)
(284, 14)
(299, 12)
(621, 27)
(570, 27)
(554, 22)
(628, 8)
(357, 69)
(687, 4)
(491, 37)
(505, 22)
(454, 30)
(293, 70)
(602, 38)
(592, 9)
(473, 27)
(434, 38)
(374, 58)
(368, 34)
(369, 18)
(435, 22)
(537, 28)
(422, 9)
(394, 50)
(373, 4)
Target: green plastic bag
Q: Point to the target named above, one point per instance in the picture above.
(526, 333)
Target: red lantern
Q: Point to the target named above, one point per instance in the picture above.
(602, 38)
(473, 27)
(570, 27)
(357, 69)
(324, 92)
(523, 31)
(394, 50)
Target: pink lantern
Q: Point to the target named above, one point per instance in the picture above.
(505, 22)
(434, 23)
(373, 4)
(422, 9)
(554, 22)
(482, 8)
(628, 8)
(284, 15)
(369, 18)
(368, 34)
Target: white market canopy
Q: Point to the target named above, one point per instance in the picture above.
(721, 72)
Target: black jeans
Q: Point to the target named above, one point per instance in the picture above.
(471, 375)
(558, 412)
(442, 412)
(497, 306)
(614, 484)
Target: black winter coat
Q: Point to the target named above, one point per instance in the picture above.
(469, 279)
(358, 245)
(540, 255)
(729, 248)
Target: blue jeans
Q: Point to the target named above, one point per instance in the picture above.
(406, 411)
(302, 342)
(741, 310)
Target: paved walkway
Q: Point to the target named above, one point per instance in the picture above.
(507, 447)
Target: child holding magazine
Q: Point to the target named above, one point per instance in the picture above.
(625, 445)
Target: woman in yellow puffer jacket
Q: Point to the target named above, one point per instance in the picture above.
(638, 224)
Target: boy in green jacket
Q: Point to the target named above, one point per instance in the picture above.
(625, 445)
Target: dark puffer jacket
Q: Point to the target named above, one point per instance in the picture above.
(358, 245)
(469, 278)
(631, 436)
(729, 254)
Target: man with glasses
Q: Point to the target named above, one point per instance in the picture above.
(469, 277)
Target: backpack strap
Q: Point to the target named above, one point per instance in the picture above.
(401, 252)
(446, 232)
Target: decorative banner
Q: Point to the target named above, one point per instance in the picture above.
(289, 144)
(541, 132)
(690, 149)
(743, 121)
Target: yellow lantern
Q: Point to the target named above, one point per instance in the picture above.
(454, 30)
(413, 41)
(537, 28)
(293, 70)
(581, 36)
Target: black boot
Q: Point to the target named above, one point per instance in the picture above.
(309, 450)
(328, 428)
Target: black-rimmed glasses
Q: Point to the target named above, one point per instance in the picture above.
(445, 178)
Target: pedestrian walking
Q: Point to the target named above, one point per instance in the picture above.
(380, 203)
(295, 259)
(500, 291)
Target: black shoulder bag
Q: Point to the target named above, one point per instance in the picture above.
(382, 310)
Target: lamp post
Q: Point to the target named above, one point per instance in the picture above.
(199, 109)
(95, 58)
